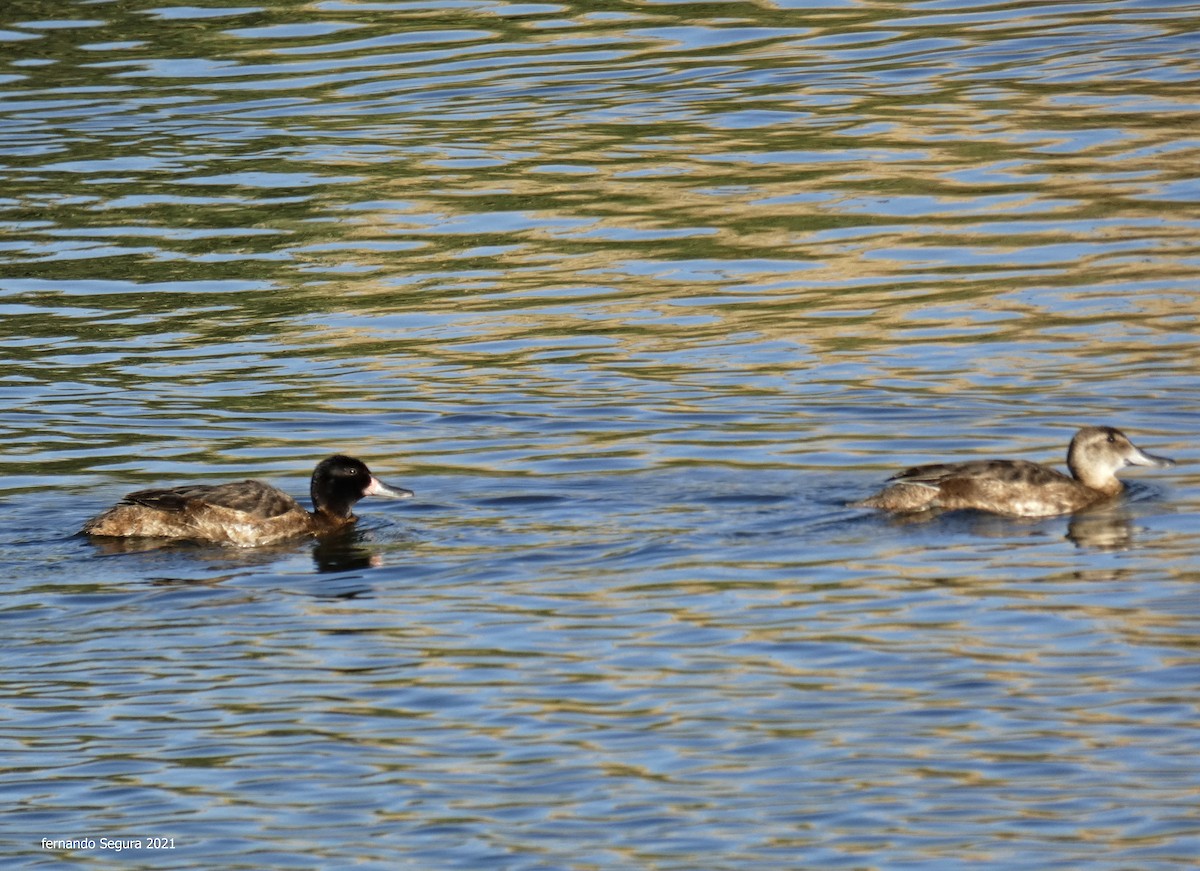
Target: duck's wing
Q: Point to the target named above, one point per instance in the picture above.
(253, 498)
(1020, 472)
(930, 475)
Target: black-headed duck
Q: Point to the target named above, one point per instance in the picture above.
(245, 513)
(1017, 487)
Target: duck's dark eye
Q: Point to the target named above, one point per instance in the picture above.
(1112, 438)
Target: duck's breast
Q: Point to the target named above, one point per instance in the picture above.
(217, 523)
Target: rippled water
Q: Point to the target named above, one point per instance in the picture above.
(636, 296)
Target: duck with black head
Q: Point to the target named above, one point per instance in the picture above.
(1019, 488)
(245, 513)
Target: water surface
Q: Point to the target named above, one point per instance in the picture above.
(637, 297)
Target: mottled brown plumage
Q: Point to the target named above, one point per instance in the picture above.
(244, 513)
(1018, 487)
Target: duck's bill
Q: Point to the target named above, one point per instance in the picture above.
(378, 488)
(1141, 458)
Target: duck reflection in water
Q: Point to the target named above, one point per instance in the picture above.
(1019, 488)
(245, 513)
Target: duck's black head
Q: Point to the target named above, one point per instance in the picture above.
(340, 481)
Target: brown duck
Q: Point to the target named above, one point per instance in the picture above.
(245, 513)
(1017, 487)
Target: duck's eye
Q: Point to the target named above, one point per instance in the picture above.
(1112, 438)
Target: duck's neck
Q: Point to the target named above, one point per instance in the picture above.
(1103, 481)
(332, 507)
(324, 518)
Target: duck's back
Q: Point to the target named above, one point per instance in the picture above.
(252, 498)
(242, 513)
(1007, 473)
(1015, 487)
